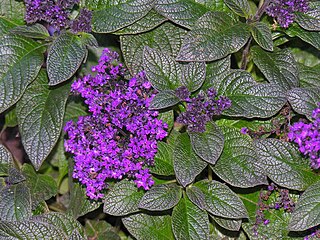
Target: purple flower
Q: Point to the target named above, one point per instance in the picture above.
(244, 130)
(83, 22)
(183, 93)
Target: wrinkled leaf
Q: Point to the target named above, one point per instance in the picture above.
(164, 99)
(229, 224)
(193, 75)
(36, 30)
(309, 76)
(262, 35)
(311, 37)
(309, 20)
(163, 161)
(240, 7)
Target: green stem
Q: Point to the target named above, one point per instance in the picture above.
(210, 173)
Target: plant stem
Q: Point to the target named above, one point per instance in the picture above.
(245, 54)
(209, 173)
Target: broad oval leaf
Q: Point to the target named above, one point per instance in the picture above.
(238, 164)
(310, 20)
(229, 224)
(164, 99)
(309, 76)
(5, 26)
(40, 115)
(187, 165)
(36, 30)
(284, 164)
(20, 60)
(311, 37)
(163, 161)
(209, 144)
(307, 211)
(214, 36)
(13, 10)
(161, 197)
(122, 199)
(189, 221)
(197, 197)
(193, 75)
(262, 35)
(240, 7)
(64, 58)
(148, 227)
(5, 156)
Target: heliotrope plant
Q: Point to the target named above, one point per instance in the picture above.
(160, 119)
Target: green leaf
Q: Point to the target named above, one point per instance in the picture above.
(5, 26)
(13, 10)
(278, 67)
(193, 75)
(189, 221)
(15, 203)
(214, 36)
(304, 100)
(168, 117)
(187, 165)
(64, 58)
(311, 37)
(309, 20)
(20, 61)
(148, 227)
(5, 156)
(238, 164)
(284, 164)
(11, 118)
(116, 15)
(217, 70)
(42, 187)
(181, 12)
(209, 144)
(100, 230)
(309, 76)
(163, 161)
(249, 99)
(36, 30)
(221, 201)
(164, 99)
(40, 121)
(240, 7)
(197, 197)
(122, 199)
(166, 38)
(161, 69)
(229, 224)
(261, 33)
(15, 176)
(161, 197)
(307, 211)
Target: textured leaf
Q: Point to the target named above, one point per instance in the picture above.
(240, 7)
(209, 144)
(262, 35)
(164, 99)
(214, 36)
(118, 14)
(307, 211)
(189, 221)
(5, 26)
(309, 20)
(309, 76)
(249, 99)
(101, 230)
(5, 156)
(166, 38)
(304, 100)
(168, 117)
(278, 67)
(311, 37)
(64, 58)
(13, 10)
(11, 118)
(40, 115)
(148, 227)
(161, 197)
(238, 164)
(217, 70)
(221, 201)
(122, 199)
(193, 75)
(15, 176)
(181, 12)
(229, 224)
(15, 203)
(20, 61)
(161, 69)
(163, 161)
(284, 164)
(197, 197)
(36, 30)
(187, 165)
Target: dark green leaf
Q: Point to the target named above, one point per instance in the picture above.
(5, 25)
(64, 58)
(209, 144)
(122, 199)
(15, 176)
(309, 76)
(278, 67)
(89, 40)
(100, 230)
(307, 211)
(240, 7)
(311, 37)
(11, 118)
(229, 224)
(147, 227)
(309, 20)
(304, 100)
(13, 10)
(161, 197)
(167, 38)
(262, 35)
(20, 61)
(197, 197)
(163, 161)
(217, 70)
(284, 164)
(164, 99)
(168, 117)
(116, 15)
(189, 222)
(15, 203)
(193, 75)
(187, 165)
(238, 164)
(40, 115)
(214, 36)
(5, 156)
(221, 201)
(37, 31)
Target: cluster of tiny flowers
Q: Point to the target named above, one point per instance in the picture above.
(201, 108)
(307, 136)
(315, 233)
(283, 10)
(119, 138)
(56, 14)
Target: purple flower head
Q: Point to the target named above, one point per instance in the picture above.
(83, 22)
(119, 138)
(244, 130)
(183, 93)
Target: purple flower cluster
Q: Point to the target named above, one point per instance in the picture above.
(201, 108)
(120, 136)
(283, 10)
(315, 232)
(307, 136)
(56, 14)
